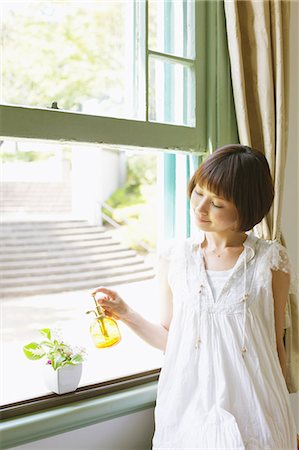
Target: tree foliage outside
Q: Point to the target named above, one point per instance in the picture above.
(141, 171)
(70, 52)
(74, 53)
(135, 203)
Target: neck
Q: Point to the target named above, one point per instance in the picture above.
(218, 240)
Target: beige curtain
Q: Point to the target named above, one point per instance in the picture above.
(258, 41)
(258, 46)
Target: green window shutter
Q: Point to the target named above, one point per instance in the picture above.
(221, 123)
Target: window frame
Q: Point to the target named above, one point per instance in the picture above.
(21, 122)
(24, 122)
(101, 389)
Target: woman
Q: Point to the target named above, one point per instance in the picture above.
(223, 296)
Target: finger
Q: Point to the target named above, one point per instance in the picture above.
(104, 303)
(104, 291)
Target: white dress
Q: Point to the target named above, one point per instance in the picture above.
(221, 385)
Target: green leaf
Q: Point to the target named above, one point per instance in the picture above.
(57, 362)
(47, 344)
(76, 359)
(46, 332)
(33, 351)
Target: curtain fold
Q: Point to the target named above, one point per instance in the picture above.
(258, 47)
(258, 42)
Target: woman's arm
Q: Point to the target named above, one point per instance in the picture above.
(280, 287)
(154, 334)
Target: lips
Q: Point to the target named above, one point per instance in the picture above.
(202, 220)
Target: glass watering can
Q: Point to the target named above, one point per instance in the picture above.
(103, 329)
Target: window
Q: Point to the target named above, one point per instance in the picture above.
(137, 91)
(77, 54)
(171, 52)
(122, 93)
(60, 242)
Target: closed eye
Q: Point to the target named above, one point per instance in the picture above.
(216, 206)
(200, 194)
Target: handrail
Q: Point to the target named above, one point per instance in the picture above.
(115, 224)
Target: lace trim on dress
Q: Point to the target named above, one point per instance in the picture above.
(279, 260)
(167, 249)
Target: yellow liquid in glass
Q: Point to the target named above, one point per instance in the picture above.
(105, 332)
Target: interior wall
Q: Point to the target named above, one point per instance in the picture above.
(132, 432)
(290, 210)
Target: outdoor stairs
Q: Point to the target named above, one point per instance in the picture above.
(44, 257)
(35, 198)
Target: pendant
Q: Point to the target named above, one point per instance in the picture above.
(243, 350)
(197, 343)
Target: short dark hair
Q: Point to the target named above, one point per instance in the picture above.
(241, 175)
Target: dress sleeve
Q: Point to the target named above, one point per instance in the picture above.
(279, 260)
(167, 249)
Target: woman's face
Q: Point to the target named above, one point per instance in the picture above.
(213, 213)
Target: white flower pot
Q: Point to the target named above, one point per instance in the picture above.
(63, 380)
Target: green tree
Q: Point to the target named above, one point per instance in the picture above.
(62, 51)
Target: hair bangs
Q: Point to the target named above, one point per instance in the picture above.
(215, 179)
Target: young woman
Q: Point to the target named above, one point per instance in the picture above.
(223, 296)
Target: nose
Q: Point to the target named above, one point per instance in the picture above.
(202, 206)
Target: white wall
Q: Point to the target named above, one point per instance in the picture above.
(290, 212)
(132, 432)
(95, 176)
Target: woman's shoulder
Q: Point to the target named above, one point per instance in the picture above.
(174, 248)
(273, 256)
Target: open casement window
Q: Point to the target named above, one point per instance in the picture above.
(128, 78)
(124, 73)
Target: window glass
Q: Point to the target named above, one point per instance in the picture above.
(171, 92)
(81, 55)
(73, 218)
(171, 27)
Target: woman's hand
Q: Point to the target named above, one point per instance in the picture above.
(113, 305)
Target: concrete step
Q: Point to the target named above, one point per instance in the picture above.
(41, 244)
(60, 278)
(42, 225)
(54, 246)
(55, 256)
(24, 291)
(44, 240)
(63, 252)
(80, 267)
(35, 197)
(72, 233)
(53, 261)
(51, 209)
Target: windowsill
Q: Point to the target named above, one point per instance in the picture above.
(67, 312)
(80, 412)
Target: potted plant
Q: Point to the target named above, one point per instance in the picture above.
(63, 368)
